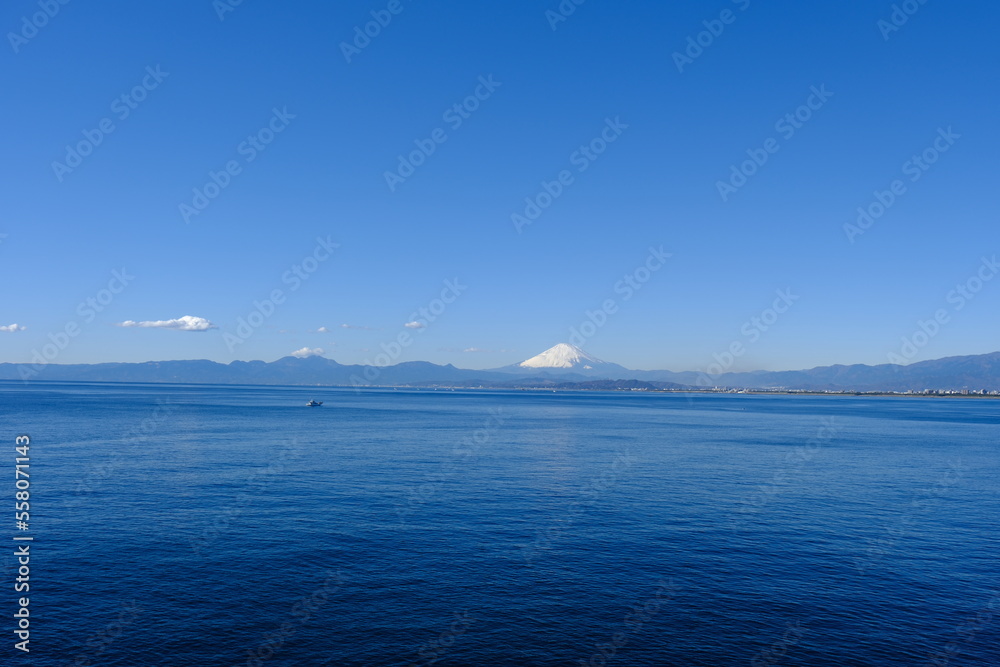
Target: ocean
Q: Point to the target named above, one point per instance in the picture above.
(230, 525)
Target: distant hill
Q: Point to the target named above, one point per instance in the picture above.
(973, 372)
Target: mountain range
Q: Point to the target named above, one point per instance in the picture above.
(563, 365)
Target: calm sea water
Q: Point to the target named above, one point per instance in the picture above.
(183, 525)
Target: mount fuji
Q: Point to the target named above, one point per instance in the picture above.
(566, 359)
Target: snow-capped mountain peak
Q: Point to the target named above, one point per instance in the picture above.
(562, 355)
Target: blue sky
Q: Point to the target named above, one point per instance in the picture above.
(608, 71)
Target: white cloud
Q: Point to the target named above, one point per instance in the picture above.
(307, 352)
(12, 328)
(415, 325)
(322, 330)
(186, 323)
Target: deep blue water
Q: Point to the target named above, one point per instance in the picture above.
(182, 525)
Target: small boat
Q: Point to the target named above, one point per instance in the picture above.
(314, 404)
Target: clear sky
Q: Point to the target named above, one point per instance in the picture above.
(310, 117)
